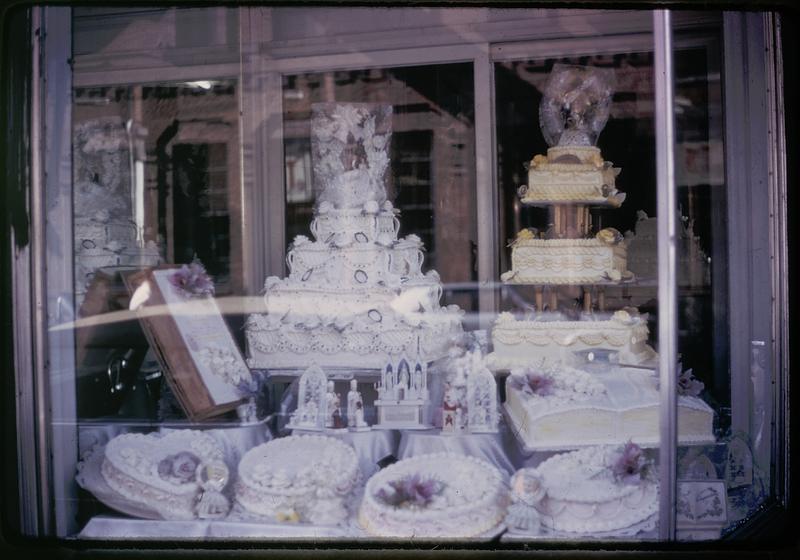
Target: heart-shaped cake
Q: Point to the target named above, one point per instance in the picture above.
(163, 471)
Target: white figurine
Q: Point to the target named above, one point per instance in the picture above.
(355, 409)
(527, 490)
(333, 418)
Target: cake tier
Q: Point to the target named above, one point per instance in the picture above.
(582, 495)
(459, 496)
(519, 342)
(341, 227)
(578, 409)
(160, 471)
(284, 478)
(572, 175)
(565, 261)
(363, 341)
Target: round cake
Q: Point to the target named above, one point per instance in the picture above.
(433, 496)
(597, 489)
(298, 478)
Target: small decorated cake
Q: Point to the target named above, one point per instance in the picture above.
(298, 479)
(597, 489)
(180, 475)
(441, 495)
(554, 407)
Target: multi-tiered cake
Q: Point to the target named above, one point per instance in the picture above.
(355, 296)
(551, 404)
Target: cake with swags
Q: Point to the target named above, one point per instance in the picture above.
(439, 495)
(306, 478)
(597, 490)
(580, 374)
(356, 296)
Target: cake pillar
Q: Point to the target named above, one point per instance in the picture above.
(601, 299)
(587, 300)
(553, 299)
(538, 291)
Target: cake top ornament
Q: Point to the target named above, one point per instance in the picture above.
(576, 104)
(349, 150)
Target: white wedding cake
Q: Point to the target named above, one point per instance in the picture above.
(440, 495)
(303, 478)
(597, 490)
(355, 295)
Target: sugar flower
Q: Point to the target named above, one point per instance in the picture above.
(411, 491)
(193, 280)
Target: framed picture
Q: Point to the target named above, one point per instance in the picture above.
(188, 334)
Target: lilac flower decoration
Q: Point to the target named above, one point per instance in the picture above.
(193, 280)
(688, 384)
(411, 491)
(630, 465)
(533, 383)
(180, 467)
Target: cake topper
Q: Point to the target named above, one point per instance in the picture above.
(576, 104)
(349, 149)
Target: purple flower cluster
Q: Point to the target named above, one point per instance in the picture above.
(193, 280)
(533, 383)
(688, 384)
(630, 465)
(180, 467)
(410, 491)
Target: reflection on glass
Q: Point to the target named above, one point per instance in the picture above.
(156, 181)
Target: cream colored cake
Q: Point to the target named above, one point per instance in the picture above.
(518, 342)
(572, 175)
(565, 261)
(553, 407)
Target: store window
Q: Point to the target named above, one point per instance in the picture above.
(456, 275)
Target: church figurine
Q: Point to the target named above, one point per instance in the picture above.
(311, 412)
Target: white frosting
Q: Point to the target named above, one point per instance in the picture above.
(285, 478)
(472, 501)
(578, 413)
(519, 342)
(131, 468)
(583, 496)
(565, 261)
(356, 295)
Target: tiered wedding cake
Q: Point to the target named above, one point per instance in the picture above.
(356, 295)
(551, 404)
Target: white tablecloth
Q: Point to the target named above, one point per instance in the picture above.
(112, 527)
(493, 448)
(370, 446)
